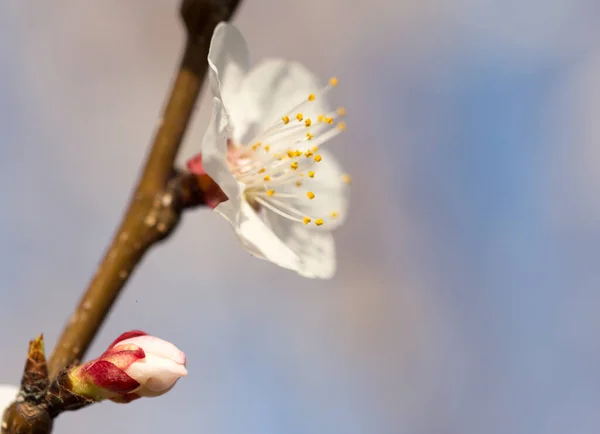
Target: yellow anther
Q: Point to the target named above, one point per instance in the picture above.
(333, 81)
(307, 123)
(341, 111)
(311, 97)
(256, 146)
(267, 178)
(329, 120)
(334, 214)
(308, 154)
(298, 183)
(267, 148)
(310, 195)
(294, 165)
(306, 220)
(342, 126)
(318, 158)
(309, 136)
(346, 178)
(285, 119)
(311, 174)
(290, 153)
(297, 153)
(263, 170)
(299, 116)
(315, 148)
(270, 192)
(319, 222)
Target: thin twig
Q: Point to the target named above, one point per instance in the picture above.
(154, 210)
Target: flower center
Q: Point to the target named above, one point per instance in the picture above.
(280, 167)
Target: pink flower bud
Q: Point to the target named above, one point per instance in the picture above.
(134, 365)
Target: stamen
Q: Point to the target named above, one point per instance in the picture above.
(299, 116)
(318, 158)
(285, 119)
(306, 220)
(319, 222)
(311, 174)
(310, 195)
(283, 207)
(266, 204)
(311, 97)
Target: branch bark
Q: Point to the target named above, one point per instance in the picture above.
(154, 211)
(161, 194)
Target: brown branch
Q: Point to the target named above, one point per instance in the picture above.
(155, 208)
(153, 213)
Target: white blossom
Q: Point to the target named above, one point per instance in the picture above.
(264, 148)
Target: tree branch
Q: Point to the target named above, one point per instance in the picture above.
(161, 194)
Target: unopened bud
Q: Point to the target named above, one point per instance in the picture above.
(134, 365)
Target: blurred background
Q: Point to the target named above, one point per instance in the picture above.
(467, 293)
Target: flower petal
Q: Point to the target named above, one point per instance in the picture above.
(156, 374)
(126, 335)
(260, 241)
(315, 248)
(228, 59)
(214, 151)
(8, 394)
(230, 210)
(273, 88)
(157, 347)
(123, 355)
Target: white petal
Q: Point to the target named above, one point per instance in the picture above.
(214, 151)
(316, 249)
(228, 59)
(8, 394)
(155, 374)
(273, 88)
(230, 210)
(157, 347)
(260, 241)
